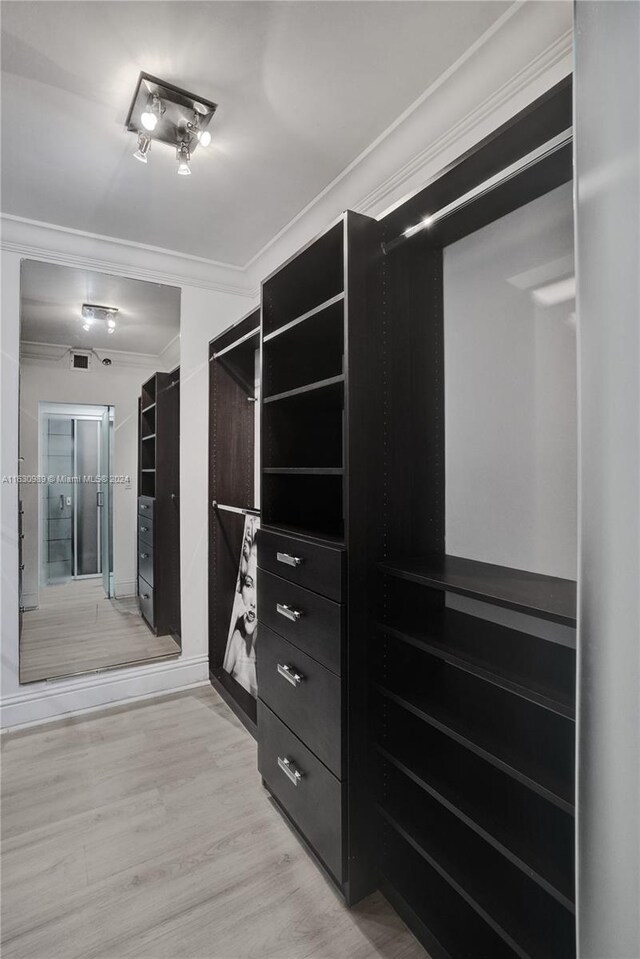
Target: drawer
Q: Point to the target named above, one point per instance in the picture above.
(316, 567)
(145, 562)
(145, 595)
(145, 529)
(145, 506)
(304, 695)
(309, 621)
(313, 801)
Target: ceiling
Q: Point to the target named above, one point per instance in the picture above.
(52, 298)
(303, 88)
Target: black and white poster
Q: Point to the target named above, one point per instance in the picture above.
(240, 655)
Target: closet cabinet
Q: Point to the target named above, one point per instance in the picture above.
(233, 496)
(320, 344)
(158, 531)
(473, 713)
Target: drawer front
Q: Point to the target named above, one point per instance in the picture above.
(309, 621)
(315, 803)
(145, 529)
(145, 595)
(320, 568)
(145, 506)
(304, 695)
(145, 562)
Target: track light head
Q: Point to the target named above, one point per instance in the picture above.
(144, 145)
(183, 156)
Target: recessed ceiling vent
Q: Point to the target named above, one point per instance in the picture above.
(80, 360)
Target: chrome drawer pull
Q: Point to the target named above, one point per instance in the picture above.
(144, 556)
(290, 770)
(145, 596)
(144, 529)
(290, 675)
(143, 506)
(289, 560)
(288, 612)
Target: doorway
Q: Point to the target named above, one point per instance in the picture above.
(76, 529)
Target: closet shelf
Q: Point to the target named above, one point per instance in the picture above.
(483, 671)
(289, 529)
(523, 771)
(517, 847)
(304, 470)
(146, 409)
(305, 316)
(151, 436)
(531, 943)
(546, 597)
(309, 388)
(148, 470)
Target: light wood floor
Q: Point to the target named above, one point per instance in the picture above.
(145, 832)
(76, 629)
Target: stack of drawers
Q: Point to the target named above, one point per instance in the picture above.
(145, 558)
(301, 706)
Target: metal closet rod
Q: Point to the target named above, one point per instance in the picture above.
(508, 173)
(235, 509)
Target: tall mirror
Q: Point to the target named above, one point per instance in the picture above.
(99, 492)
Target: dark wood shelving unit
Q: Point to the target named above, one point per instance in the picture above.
(232, 405)
(319, 437)
(159, 503)
(472, 708)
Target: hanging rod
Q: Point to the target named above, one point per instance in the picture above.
(235, 509)
(508, 173)
(235, 343)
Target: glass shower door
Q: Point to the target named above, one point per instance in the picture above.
(59, 499)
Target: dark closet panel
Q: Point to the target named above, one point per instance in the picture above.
(232, 357)
(158, 538)
(471, 723)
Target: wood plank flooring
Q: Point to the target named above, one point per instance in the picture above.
(76, 629)
(145, 832)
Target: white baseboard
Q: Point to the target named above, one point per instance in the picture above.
(30, 601)
(126, 588)
(38, 703)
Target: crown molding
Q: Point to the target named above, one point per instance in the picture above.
(525, 52)
(105, 254)
(383, 199)
(56, 354)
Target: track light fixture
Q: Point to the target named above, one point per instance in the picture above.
(161, 111)
(104, 316)
(144, 145)
(183, 156)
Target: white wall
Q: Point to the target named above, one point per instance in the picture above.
(510, 392)
(117, 386)
(607, 154)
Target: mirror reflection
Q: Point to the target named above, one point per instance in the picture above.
(99, 463)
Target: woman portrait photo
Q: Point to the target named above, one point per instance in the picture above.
(240, 655)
